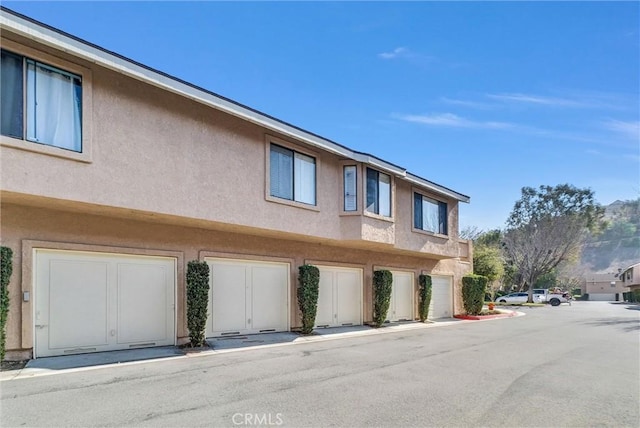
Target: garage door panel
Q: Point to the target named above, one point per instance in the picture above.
(324, 314)
(404, 295)
(602, 297)
(402, 292)
(142, 303)
(247, 297)
(340, 296)
(228, 295)
(87, 302)
(349, 297)
(441, 305)
(269, 297)
(77, 309)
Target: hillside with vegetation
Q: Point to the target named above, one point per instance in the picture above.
(618, 246)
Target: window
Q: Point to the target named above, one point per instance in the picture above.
(378, 193)
(292, 175)
(40, 103)
(429, 215)
(350, 188)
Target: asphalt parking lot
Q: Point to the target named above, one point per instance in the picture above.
(557, 366)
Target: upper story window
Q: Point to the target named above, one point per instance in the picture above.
(350, 182)
(429, 214)
(292, 175)
(378, 193)
(40, 103)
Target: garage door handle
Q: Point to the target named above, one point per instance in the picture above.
(41, 325)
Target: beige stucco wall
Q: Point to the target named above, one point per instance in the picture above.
(28, 227)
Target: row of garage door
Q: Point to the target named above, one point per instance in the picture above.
(91, 302)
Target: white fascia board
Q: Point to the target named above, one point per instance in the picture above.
(419, 181)
(80, 49)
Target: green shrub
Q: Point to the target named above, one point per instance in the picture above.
(308, 288)
(425, 296)
(6, 269)
(197, 301)
(382, 283)
(635, 295)
(473, 288)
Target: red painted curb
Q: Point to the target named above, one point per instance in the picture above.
(483, 317)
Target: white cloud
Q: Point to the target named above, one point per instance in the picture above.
(397, 52)
(453, 121)
(539, 100)
(465, 103)
(630, 129)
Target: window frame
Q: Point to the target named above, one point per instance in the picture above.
(358, 173)
(431, 198)
(365, 181)
(269, 140)
(64, 66)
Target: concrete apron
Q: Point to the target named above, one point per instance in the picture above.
(79, 362)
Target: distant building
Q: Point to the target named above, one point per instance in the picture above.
(603, 287)
(630, 277)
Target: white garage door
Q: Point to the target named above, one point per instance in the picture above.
(602, 297)
(402, 292)
(339, 297)
(441, 305)
(91, 302)
(247, 297)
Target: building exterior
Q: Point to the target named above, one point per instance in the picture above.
(114, 176)
(603, 287)
(630, 278)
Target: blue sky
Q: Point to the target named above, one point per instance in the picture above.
(481, 97)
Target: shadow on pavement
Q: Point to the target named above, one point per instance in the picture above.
(626, 324)
(101, 358)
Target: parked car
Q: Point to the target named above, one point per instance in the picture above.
(554, 297)
(520, 297)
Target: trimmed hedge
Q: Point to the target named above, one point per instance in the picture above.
(6, 269)
(473, 288)
(425, 296)
(631, 296)
(382, 283)
(308, 289)
(197, 301)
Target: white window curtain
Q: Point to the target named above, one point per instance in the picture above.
(281, 173)
(53, 107)
(384, 194)
(430, 215)
(350, 201)
(305, 179)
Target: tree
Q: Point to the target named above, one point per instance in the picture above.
(487, 257)
(547, 227)
(488, 262)
(471, 233)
